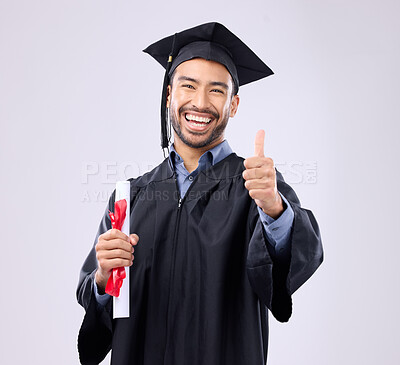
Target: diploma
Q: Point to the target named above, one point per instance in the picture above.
(121, 303)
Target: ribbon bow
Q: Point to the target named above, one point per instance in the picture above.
(118, 274)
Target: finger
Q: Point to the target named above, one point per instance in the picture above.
(264, 195)
(264, 183)
(114, 244)
(256, 161)
(108, 265)
(257, 173)
(114, 233)
(114, 254)
(134, 239)
(259, 143)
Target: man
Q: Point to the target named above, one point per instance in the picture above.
(217, 241)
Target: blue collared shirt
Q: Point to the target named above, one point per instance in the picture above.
(276, 230)
(206, 160)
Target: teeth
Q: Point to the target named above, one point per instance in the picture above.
(197, 119)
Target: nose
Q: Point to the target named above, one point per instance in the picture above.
(200, 99)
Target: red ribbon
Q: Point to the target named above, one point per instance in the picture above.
(118, 274)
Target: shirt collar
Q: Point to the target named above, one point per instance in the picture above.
(214, 155)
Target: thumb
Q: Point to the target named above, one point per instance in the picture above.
(134, 238)
(259, 143)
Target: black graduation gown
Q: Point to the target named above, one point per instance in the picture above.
(203, 277)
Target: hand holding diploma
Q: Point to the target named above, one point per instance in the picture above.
(260, 176)
(113, 249)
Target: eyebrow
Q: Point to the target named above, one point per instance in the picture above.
(218, 83)
(213, 83)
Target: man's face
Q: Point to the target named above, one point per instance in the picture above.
(200, 102)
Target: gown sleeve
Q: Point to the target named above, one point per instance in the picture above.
(274, 278)
(95, 334)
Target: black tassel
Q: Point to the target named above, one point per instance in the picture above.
(165, 133)
(165, 138)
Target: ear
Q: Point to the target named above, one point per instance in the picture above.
(168, 95)
(234, 105)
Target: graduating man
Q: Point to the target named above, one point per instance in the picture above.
(222, 240)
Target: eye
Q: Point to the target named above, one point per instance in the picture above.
(217, 91)
(188, 86)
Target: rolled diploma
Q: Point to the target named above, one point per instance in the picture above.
(121, 304)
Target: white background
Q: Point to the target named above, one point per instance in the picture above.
(72, 74)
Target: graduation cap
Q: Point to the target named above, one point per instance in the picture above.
(213, 42)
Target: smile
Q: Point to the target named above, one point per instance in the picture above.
(196, 120)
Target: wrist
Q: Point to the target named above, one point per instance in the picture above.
(276, 209)
(101, 282)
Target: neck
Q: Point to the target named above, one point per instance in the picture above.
(192, 155)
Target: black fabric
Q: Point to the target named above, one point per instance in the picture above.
(203, 276)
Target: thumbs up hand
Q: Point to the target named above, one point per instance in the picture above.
(260, 179)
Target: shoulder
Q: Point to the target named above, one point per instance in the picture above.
(230, 167)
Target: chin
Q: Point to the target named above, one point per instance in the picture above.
(198, 139)
(196, 142)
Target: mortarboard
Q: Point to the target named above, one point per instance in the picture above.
(213, 42)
